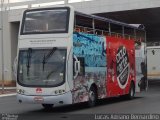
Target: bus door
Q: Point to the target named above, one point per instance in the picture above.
(80, 85)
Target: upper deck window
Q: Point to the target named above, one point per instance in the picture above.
(42, 21)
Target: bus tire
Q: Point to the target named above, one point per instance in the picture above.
(47, 106)
(131, 93)
(92, 96)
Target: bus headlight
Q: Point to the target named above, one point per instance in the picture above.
(56, 92)
(20, 91)
(59, 91)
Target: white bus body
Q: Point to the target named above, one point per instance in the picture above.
(59, 95)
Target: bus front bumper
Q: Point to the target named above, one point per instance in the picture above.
(58, 100)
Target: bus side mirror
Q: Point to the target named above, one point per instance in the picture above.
(77, 66)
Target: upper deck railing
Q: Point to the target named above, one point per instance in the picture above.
(107, 33)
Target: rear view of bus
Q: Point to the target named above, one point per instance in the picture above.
(43, 51)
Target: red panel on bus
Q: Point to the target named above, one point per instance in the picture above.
(120, 65)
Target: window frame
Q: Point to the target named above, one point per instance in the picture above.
(49, 32)
(43, 86)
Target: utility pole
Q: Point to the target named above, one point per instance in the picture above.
(2, 1)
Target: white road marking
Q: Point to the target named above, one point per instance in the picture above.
(7, 95)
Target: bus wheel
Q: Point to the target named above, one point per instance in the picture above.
(92, 97)
(131, 91)
(47, 106)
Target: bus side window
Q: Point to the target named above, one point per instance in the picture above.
(140, 35)
(101, 27)
(83, 24)
(116, 30)
(82, 65)
(129, 33)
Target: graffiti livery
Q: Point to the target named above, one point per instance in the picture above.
(109, 62)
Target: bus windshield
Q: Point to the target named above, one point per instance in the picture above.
(41, 21)
(41, 67)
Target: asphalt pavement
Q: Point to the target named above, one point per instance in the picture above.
(144, 103)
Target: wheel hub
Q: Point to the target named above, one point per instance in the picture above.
(92, 96)
(132, 93)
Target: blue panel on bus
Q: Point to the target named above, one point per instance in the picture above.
(91, 47)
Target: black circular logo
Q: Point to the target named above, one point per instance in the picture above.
(122, 66)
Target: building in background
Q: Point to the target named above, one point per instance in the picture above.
(133, 12)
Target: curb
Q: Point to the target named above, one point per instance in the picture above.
(7, 95)
(8, 88)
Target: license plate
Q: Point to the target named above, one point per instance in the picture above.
(38, 99)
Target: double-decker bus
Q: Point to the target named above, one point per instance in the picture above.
(66, 57)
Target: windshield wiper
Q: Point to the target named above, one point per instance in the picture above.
(28, 59)
(46, 57)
